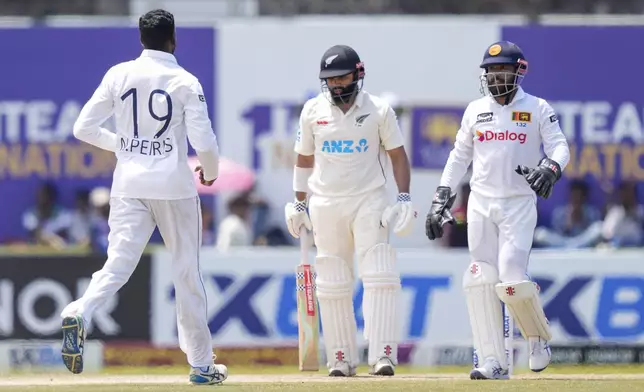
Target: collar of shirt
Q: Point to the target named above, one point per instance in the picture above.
(159, 55)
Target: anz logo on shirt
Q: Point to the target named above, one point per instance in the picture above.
(345, 146)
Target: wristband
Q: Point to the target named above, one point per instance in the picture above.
(301, 178)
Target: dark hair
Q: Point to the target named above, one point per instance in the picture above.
(579, 185)
(82, 195)
(49, 188)
(157, 29)
(239, 202)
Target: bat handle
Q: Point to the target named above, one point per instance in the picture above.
(304, 245)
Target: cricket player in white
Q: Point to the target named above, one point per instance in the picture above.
(502, 134)
(343, 142)
(157, 106)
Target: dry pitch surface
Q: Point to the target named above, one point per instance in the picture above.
(586, 379)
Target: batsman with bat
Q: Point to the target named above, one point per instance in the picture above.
(345, 140)
(501, 134)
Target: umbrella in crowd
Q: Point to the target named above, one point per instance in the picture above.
(232, 177)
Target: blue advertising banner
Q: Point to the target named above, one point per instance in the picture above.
(433, 131)
(589, 75)
(48, 74)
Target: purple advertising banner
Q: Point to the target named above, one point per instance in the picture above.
(48, 74)
(433, 130)
(590, 76)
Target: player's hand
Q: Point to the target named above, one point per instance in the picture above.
(439, 213)
(297, 217)
(201, 177)
(401, 214)
(541, 179)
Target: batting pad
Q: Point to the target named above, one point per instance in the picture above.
(485, 311)
(335, 298)
(381, 283)
(523, 300)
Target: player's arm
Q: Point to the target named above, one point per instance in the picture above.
(460, 157)
(200, 133)
(554, 141)
(98, 109)
(296, 212)
(543, 178)
(305, 149)
(392, 140)
(457, 163)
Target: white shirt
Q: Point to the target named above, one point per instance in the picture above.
(233, 232)
(497, 138)
(349, 149)
(157, 106)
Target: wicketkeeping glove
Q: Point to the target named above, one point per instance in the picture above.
(542, 178)
(439, 213)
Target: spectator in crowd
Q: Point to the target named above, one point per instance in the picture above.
(456, 234)
(46, 222)
(573, 223)
(207, 224)
(624, 222)
(234, 230)
(80, 220)
(100, 229)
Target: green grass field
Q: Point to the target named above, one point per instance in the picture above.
(408, 379)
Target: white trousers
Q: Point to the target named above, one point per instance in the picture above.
(344, 225)
(500, 232)
(132, 222)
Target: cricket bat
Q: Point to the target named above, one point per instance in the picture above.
(308, 319)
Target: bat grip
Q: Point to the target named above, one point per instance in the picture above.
(304, 245)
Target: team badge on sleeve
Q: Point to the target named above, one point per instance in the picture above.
(202, 98)
(553, 118)
(522, 117)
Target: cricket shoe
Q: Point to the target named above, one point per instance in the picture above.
(540, 354)
(208, 375)
(342, 369)
(491, 370)
(383, 367)
(73, 342)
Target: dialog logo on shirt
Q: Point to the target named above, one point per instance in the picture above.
(501, 136)
(345, 146)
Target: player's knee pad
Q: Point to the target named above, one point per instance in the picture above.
(485, 310)
(522, 298)
(378, 269)
(334, 278)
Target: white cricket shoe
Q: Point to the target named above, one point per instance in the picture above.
(208, 375)
(342, 369)
(491, 370)
(540, 354)
(383, 367)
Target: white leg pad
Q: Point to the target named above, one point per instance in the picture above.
(335, 297)
(381, 283)
(485, 311)
(522, 298)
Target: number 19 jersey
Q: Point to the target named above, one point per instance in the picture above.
(158, 107)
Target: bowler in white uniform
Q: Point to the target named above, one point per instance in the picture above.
(502, 134)
(345, 140)
(157, 106)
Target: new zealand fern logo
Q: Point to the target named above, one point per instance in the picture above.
(360, 119)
